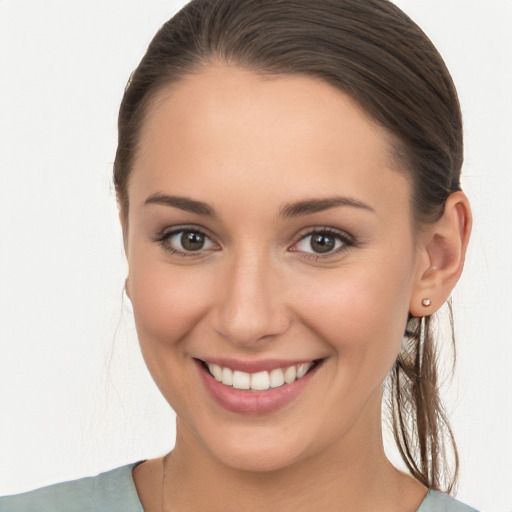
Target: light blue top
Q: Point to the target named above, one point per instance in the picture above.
(114, 491)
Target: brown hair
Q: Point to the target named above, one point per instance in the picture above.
(375, 53)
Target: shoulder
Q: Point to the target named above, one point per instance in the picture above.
(439, 502)
(112, 491)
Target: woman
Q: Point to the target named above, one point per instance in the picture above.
(288, 179)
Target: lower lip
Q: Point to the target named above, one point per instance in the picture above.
(243, 401)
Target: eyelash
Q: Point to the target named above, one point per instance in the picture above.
(164, 237)
(346, 240)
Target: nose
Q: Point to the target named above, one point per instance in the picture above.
(250, 308)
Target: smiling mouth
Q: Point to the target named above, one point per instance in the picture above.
(259, 381)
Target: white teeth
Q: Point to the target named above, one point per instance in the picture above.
(259, 381)
(216, 371)
(227, 377)
(276, 378)
(303, 368)
(241, 380)
(290, 374)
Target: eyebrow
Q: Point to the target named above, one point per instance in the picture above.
(294, 209)
(183, 203)
(318, 205)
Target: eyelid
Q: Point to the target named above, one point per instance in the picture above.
(347, 240)
(164, 235)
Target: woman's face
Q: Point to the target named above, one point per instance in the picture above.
(269, 233)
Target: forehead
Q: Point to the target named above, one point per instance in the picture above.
(226, 130)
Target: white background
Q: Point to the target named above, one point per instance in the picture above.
(75, 398)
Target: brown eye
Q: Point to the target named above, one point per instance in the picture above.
(322, 243)
(192, 240)
(186, 242)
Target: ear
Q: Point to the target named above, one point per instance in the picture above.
(442, 247)
(124, 221)
(127, 287)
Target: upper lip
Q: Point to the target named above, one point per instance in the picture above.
(254, 366)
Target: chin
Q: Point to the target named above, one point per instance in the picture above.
(251, 446)
(259, 459)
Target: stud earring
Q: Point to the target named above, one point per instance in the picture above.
(426, 303)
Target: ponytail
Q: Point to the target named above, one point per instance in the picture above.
(420, 425)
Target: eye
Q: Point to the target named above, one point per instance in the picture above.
(323, 242)
(186, 241)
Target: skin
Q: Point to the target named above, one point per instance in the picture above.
(248, 146)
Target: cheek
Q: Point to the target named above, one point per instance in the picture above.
(167, 302)
(362, 314)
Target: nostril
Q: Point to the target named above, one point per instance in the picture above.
(248, 327)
